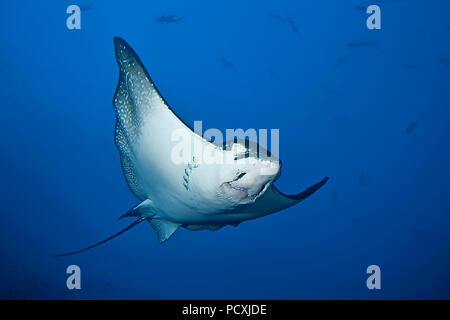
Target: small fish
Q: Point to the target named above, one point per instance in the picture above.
(288, 20)
(412, 126)
(15, 267)
(276, 17)
(443, 61)
(293, 26)
(362, 44)
(417, 232)
(411, 66)
(338, 119)
(87, 7)
(340, 60)
(227, 64)
(363, 180)
(326, 88)
(273, 73)
(360, 8)
(169, 19)
(359, 221)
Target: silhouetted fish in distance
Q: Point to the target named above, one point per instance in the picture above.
(338, 119)
(294, 27)
(362, 44)
(360, 8)
(326, 88)
(417, 232)
(169, 18)
(411, 66)
(273, 73)
(443, 60)
(358, 221)
(227, 64)
(363, 180)
(287, 20)
(340, 60)
(276, 17)
(413, 125)
(86, 7)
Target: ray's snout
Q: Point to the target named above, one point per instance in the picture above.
(271, 167)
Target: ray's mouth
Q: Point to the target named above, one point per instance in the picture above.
(262, 190)
(252, 197)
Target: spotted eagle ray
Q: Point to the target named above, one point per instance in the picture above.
(194, 194)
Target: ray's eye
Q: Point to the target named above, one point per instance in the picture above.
(242, 155)
(240, 176)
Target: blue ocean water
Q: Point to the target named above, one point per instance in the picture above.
(367, 108)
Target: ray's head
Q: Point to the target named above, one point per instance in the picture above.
(250, 172)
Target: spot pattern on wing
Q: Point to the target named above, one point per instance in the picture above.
(134, 98)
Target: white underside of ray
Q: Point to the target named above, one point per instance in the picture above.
(145, 126)
(144, 136)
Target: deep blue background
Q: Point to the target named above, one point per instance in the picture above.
(62, 187)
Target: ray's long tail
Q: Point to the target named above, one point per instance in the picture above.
(103, 241)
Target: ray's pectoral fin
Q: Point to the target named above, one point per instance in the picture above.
(274, 200)
(164, 228)
(306, 193)
(135, 98)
